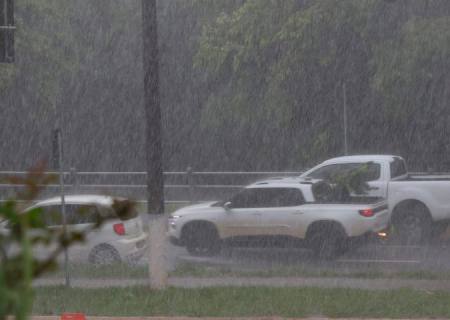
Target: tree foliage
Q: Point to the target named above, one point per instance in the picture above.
(240, 80)
(285, 64)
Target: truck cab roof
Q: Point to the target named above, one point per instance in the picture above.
(305, 186)
(361, 158)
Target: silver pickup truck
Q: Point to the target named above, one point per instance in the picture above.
(278, 212)
(419, 205)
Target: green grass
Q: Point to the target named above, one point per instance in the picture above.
(241, 302)
(192, 270)
(89, 271)
(125, 271)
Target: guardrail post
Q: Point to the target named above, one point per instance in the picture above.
(190, 182)
(74, 179)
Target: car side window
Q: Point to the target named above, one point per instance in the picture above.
(244, 199)
(268, 198)
(80, 214)
(373, 171)
(284, 197)
(52, 215)
(75, 214)
(397, 167)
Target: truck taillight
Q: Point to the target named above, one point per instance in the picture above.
(119, 228)
(366, 213)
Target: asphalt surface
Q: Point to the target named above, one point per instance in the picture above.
(370, 257)
(364, 259)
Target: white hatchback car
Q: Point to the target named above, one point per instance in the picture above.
(114, 241)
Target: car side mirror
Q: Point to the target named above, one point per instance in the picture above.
(227, 205)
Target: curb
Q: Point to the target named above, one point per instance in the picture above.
(222, 318)
(188, 318)
(193, 282)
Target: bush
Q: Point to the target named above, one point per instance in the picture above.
(19, 267)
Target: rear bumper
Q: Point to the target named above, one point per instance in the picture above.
(363, 225)
(135, 256)
(132, 249)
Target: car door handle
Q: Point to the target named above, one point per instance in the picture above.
(298, 212)
(374, 188)
(256, 213)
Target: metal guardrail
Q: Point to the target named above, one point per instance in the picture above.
(180, 186)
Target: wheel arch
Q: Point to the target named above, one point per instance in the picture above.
(399, 207)
(324, 225)
(102, 246)
(197, 224)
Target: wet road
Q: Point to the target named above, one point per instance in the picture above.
(359, 268)
(388, 258)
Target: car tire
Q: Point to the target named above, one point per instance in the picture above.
(412, 224)
(438, 231)
(327, 243)
(201, 240)
(104, 255)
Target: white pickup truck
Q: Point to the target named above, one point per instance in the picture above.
(277, 212)
(419, 206)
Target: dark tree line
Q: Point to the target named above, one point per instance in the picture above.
(246, 84)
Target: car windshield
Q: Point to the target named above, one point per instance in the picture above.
(327, 172)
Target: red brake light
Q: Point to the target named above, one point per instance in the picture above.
(119, 228)
(366, 213)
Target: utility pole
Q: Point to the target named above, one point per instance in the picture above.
(153, 148)
(7, 29)
(344, 93)
(155, 183)
(59, 165)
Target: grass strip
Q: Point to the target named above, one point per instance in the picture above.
(90, 271)
(125, 271)
(193, 270)
(242, 302)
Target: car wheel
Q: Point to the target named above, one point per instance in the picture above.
(327, 243)
(412, 225)
(104, 255)
(439, 231)
(202, 240)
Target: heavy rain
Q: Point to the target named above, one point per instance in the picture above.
(224, 158)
